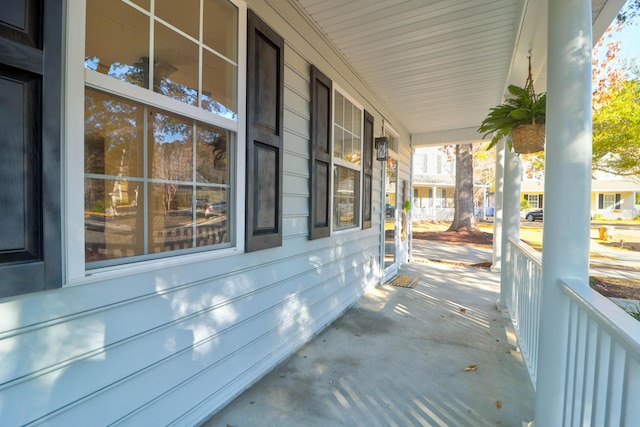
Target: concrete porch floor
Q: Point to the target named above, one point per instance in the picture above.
(398, 358)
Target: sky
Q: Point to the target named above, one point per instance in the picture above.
(630, 38)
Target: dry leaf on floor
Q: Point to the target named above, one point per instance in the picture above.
(471, 368)
(463, 310)
(498, 404)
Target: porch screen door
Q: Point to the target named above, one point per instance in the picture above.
(391, 212)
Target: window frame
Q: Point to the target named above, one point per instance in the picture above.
(336, 161)
(77, 78)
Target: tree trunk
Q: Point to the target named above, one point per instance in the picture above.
(463, 218)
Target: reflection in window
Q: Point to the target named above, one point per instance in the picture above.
(347, 130)
(345, 185)
(347, 150)
(180, 201)
(199, 71)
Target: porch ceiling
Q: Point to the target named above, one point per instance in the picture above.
(440, 65)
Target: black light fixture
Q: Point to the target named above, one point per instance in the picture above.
(382, 148)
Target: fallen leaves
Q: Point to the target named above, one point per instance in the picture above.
(498, 404)
(471, 368)
(463, 310)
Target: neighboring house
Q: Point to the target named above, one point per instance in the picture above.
(434, 185)
(612, 196)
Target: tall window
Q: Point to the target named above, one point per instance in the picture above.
(347, 162)
(534, 201)
(161, 112)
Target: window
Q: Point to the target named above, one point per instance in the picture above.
(159, 141)
(347, 161)
(339, 165)
(534, 201)
(609, 201)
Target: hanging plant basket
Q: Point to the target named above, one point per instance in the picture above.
(528, 138)
(520, 119)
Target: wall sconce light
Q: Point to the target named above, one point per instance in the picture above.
(382, 148)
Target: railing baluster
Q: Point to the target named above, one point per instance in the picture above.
(602, 376)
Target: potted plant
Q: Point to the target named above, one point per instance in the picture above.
(520, 118)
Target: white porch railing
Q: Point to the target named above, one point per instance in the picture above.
(425, 214)
(524, 304)
(615, 214)
(602, 375)
(602, 379)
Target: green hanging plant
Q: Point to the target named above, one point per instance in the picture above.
(523, 108)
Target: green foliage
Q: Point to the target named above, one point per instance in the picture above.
(99, 206)
(633, 310)
(525, 205)
(524, 107)
(616, 131)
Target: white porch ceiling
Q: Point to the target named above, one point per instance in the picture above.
(440, 65)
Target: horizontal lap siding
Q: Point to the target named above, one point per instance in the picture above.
(177, 343)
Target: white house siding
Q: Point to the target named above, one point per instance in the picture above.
(173, 344)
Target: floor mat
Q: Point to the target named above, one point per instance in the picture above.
(402, 281)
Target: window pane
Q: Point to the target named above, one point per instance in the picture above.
(175, 70)
(219, 86)
(170, 217)
(347, 130)
(338, 142)
(212, 225)
(338, 111)
(142, 3)
(212, 155)
(221, 37)
(183, 14)
(113, 135)
(113, 219)
(117, 41)
(345, 205)
(170, 149)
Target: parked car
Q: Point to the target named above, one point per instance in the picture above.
(218, 208)
(534, 215)
(390, 211)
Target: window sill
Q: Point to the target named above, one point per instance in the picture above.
(126, 270)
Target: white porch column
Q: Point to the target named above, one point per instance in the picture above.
(567, 193)
(510, 221)
(497, 204)
(434, 190)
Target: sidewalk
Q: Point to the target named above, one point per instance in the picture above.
(398, 357)
(605, 261)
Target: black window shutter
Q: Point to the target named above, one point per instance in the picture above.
(265, 91)
(320, 154)
(540, 205)
(367, 170)
(30, 88)
(526, 197)
(600, 201)
(617, 205)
